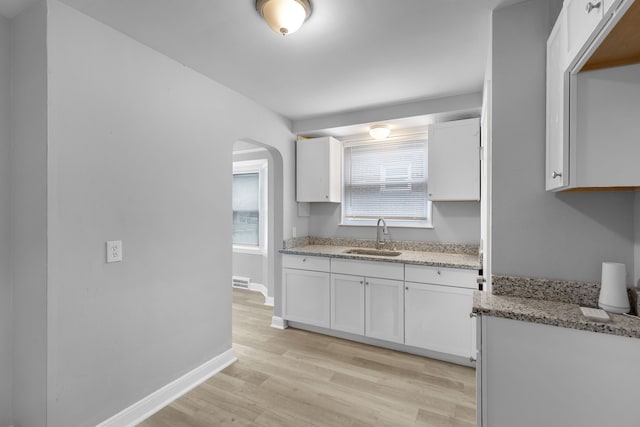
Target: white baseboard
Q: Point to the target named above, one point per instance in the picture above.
(259, 287)
(278, 323)
(160, 398)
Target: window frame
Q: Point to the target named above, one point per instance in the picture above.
(261, 167)
(371, 222)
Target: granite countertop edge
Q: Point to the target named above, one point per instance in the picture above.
(553, 313)
(433, 259)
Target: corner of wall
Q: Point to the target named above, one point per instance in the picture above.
(28, 239)
(636, 239)
(6, 281)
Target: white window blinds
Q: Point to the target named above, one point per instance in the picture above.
(246, 209)
(386, 179)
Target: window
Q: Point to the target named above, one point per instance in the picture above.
(249, 203)
(386, 179)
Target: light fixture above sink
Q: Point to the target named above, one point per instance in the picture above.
(379, 131)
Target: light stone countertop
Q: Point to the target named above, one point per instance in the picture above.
(550, 312)
(435, 259)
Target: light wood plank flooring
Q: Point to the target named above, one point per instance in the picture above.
(298, 378)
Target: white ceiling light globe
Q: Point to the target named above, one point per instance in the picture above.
(379, 131)
(284, 16)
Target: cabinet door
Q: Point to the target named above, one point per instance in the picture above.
(318, 170)
(454, 161)
(583, 16)
(384, 309)
(305, 297)
(557, 148)
(347, 303)
(528, 366)
(438, 318)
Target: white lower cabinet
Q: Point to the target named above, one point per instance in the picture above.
(366, 306)
(306, 293)
(430, 310)
(347, 303)
(532, 375)
(437, 318)
(384, 309)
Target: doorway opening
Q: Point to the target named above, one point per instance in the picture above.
(257, 200)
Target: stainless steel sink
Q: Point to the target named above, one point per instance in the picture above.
(375, 252)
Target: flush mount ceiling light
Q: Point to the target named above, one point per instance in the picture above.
(284, 16)
(379, 131)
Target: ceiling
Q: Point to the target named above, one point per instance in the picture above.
(350, 55)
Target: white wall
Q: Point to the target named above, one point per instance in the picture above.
(455, 222)
(140, 149)
(536, 233)
(6, 345)
(28, 158)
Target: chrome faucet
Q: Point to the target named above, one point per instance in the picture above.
(385, 231)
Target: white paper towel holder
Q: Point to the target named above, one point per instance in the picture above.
(613, 288)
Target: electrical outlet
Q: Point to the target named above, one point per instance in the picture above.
(114, 251)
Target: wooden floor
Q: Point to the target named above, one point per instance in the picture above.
(298, 378)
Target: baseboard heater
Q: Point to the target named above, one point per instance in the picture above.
(240, 282)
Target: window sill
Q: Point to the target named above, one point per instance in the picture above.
(392, 224)
(250, 250)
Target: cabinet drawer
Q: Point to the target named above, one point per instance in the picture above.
(384, 270)
(303, 262)
(441, 276)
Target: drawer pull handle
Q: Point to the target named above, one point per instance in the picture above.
(304, 260)
(555, 175)
(439, 272)
(591, 6)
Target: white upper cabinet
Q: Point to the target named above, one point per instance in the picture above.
(583, 16)
(593, 96)
(557, 160)
(318, 170)
(454, 161)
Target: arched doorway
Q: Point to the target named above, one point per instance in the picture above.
(262, 264)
